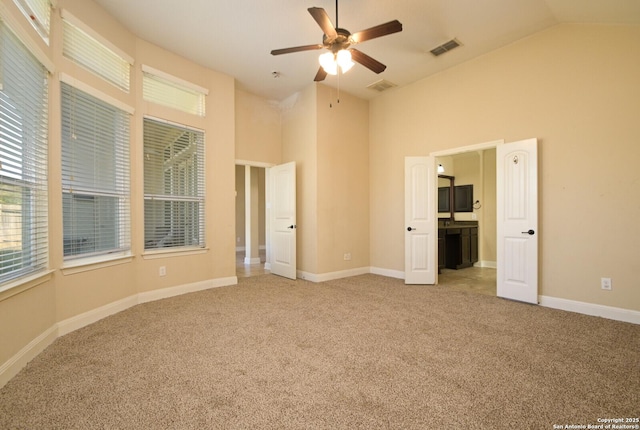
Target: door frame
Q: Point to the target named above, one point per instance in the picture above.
(456, 151)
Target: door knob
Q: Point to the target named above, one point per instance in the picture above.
(292, 226)
(411, 228)
(530, 232)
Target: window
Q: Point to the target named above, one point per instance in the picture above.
(95, 175)
(38, 12)
(23, 160)
(86, 48)
(173, 185)
(167, 90)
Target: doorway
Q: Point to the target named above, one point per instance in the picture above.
(251, 254)
(464, 169)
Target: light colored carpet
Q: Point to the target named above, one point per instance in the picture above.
(364, 352)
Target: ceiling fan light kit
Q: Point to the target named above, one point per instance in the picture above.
(330, 61)
(338, 41)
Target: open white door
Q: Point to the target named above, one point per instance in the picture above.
(282, 220)
(517, 220)
(420, 221)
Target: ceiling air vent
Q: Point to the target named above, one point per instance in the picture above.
(445, 47)
(381, 85)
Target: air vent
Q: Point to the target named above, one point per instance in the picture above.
(381, 85)
(445, 47)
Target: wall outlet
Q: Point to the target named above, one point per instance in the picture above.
(162, 271)
(605, 283)
(347, 256)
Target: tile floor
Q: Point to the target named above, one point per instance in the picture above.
(246, 270)
(472, 279)
(479, 280)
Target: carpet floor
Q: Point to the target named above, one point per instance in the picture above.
(366, 352)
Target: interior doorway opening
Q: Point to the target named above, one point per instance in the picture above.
(251, 220)
(466, 211)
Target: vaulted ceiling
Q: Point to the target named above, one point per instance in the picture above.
(236, 36)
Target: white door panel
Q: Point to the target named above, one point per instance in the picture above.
(517, 220)
(282, 223)
(420, 222)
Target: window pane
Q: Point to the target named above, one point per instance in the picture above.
(94, 56)
(171, 223)
(38, 12)
(173, 185)
(23, 160)
(164, 92)
(91, 224)
(95, 175)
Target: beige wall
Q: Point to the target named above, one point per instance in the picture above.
(343, 181)
(258, 129)
(328, 141)
(33, 309)
(575, 88)
(299, 144)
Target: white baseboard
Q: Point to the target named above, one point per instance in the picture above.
(165, 293)
(330, 276)
(267, 266)
(255, 260)
(89, 317)
(398, 274)
(11, 367)
(487, 264)
(618, 314)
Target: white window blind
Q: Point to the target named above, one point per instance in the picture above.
(94, 55)
(173, 185)
(166, 90)
(95, 175)
(38, 12)
(23, 160)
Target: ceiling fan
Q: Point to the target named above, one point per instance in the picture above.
(339, 42)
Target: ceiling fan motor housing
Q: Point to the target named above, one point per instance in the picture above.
(341, 41)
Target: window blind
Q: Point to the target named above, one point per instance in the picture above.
(93, 55)
(38, 12)
(95, 175)
(173, 185)
(23, 160)
(171, 92)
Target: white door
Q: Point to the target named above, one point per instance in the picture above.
(517, 220)
(420, 230)
(282, 220)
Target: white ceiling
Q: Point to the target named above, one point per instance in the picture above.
(236, 36)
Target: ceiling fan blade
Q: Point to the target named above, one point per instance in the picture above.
(320, 75)
(377, 31)
(323, 21)
(366, 61)
(296, 49)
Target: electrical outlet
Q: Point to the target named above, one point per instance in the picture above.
(605, 283)
(347, 256)
(162, 271)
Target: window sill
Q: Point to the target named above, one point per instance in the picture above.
(23, 284)
(94, 263)
(168, 253)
